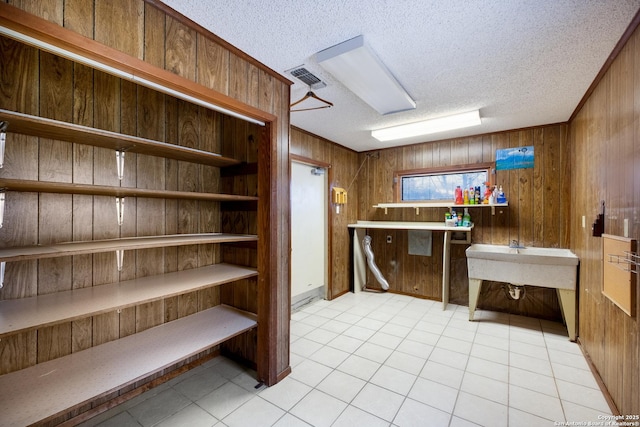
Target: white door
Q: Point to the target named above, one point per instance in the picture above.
(308, 234)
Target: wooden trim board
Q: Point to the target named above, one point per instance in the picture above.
(51, 388)
(619, 285)
(24, 314)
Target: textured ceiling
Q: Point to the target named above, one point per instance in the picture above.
(521, 62)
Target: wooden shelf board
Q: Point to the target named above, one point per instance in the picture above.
(51, 388)
(127, 243)
(24, 314)
(54, 129)
(103, 190)
(407, 225)
(435, 205)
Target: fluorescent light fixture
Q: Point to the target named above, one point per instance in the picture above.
(120, 73)
(356, 67)
(441, 124)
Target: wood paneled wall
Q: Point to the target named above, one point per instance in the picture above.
(344, 165)
(605, 153)
(539, 202)
(538, 198)
(39, 83)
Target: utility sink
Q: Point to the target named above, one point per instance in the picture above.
(545, 267)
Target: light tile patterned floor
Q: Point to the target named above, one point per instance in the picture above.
(373, 359)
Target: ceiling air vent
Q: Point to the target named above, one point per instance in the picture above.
(306, 77)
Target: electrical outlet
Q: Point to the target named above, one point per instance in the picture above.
(626, 227)
(389, 239)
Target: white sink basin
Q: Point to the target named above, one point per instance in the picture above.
(546, 267)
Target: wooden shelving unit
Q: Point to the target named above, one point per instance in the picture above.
(24, 314)
(47, 389)
(67, 382)
(166, 305)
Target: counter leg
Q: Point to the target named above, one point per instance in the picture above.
(475, 285)
(567, 298)
(359, 261)
(446, 261)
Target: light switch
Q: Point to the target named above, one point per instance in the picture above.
(626, 227)
(584, 221)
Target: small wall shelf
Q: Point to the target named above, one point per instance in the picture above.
(449, 205)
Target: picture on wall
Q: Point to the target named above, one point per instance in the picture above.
(514, 158)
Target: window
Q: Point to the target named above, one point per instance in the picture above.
(439, 184)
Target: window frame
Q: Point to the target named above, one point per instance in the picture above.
(398, 175)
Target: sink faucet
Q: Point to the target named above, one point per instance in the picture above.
(515, 244)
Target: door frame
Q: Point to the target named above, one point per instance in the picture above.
(316, 163)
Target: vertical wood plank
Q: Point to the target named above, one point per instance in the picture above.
(54, 342)
(50, 10)
(75, 16)
(114, 18)
(213, 65)
(154, 36)
(180, 49)
(82, 174)
(18, 351)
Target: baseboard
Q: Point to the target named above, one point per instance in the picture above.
(601, 384)
(299, 302)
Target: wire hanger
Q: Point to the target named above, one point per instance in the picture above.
(308, 95)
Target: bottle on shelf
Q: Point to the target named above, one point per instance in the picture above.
(466, 218)
(501, 197)
(448, 220)
(458, 196)
(466, 196)
(487, 194)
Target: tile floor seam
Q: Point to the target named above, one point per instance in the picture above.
(555, 383)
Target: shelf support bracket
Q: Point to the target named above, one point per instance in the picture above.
(3, 264)
(417, 211)
(119, 258)
(493, 210)
(120, 164)
(385, 211)
(2, 198)
(120, 209)
(3, 140)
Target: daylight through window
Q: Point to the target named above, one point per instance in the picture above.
(439, 184)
